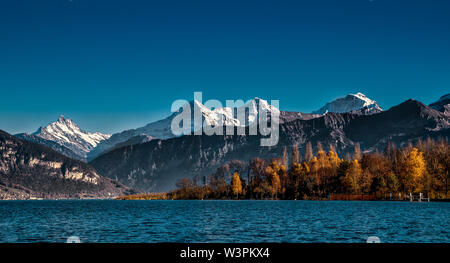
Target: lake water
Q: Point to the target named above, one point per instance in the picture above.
(223, 221)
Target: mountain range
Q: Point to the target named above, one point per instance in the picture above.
(65, 136)
(29, 170)
(158, 164)
(227, 116)
(151, 158)
(350, 103)
(443, 104)
(69, 138)
(162, 129)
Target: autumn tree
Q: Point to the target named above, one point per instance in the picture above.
(332, 180)
(323, 173)
(257, 184)
(332, 148)
(236, 186)
(184, 185)
(357, 152)
(273, 178)
(341, 173)
(375, 170)
(276, 185)
(285, 157)
(414, 170)
(378, 185)
(237, 165)
(295, 155)
(319, 146)
(389, 151)
(437, 158)
(333, 159)
(308, 152)
(392, 183)
(351, 179)
(313, 178)
(218, 181)
(423, 167)
(295, 175)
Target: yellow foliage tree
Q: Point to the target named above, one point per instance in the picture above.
(415, 168)
(322, 158)
(333, 158)
(273, 175)
(351, 181)
(357, 151)
(306, 167)
(236, 185)
(314, 165)
(284, 181)
(276, 184)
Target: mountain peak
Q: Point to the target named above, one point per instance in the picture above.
(445, 97)
(415, 106)
(65, 121)
(61, 118)
(361, 96)
(67, 133)
(443, 104)
(162, 129)
(351, 102)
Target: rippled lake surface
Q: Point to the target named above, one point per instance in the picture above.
(223, 221)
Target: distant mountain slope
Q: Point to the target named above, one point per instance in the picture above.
(351, 102)
(51, 144)
(66, 133)
(158, 164)
(162, 129)
(29, 170)
(357, 103)
(443, 104)
(159, 129)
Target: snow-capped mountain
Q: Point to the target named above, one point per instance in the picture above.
(443, 104)
(30, 170)
(227, 116)
(161, 129)
(351, 102)
(65, 132)
(157, 165)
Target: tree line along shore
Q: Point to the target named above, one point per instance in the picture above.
(393, 174)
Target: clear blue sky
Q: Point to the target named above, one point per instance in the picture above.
(112, 65)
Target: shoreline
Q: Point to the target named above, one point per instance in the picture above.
(315, 200)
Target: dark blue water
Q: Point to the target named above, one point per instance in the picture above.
(223, 221)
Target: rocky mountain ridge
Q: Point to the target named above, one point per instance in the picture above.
(29, 170)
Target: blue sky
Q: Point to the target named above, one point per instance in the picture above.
(114, 65)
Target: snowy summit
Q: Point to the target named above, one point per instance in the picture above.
(351, 102)
(67, 133)
(226, 116)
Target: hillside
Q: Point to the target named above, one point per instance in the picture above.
(29, 170)
(158, 164)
